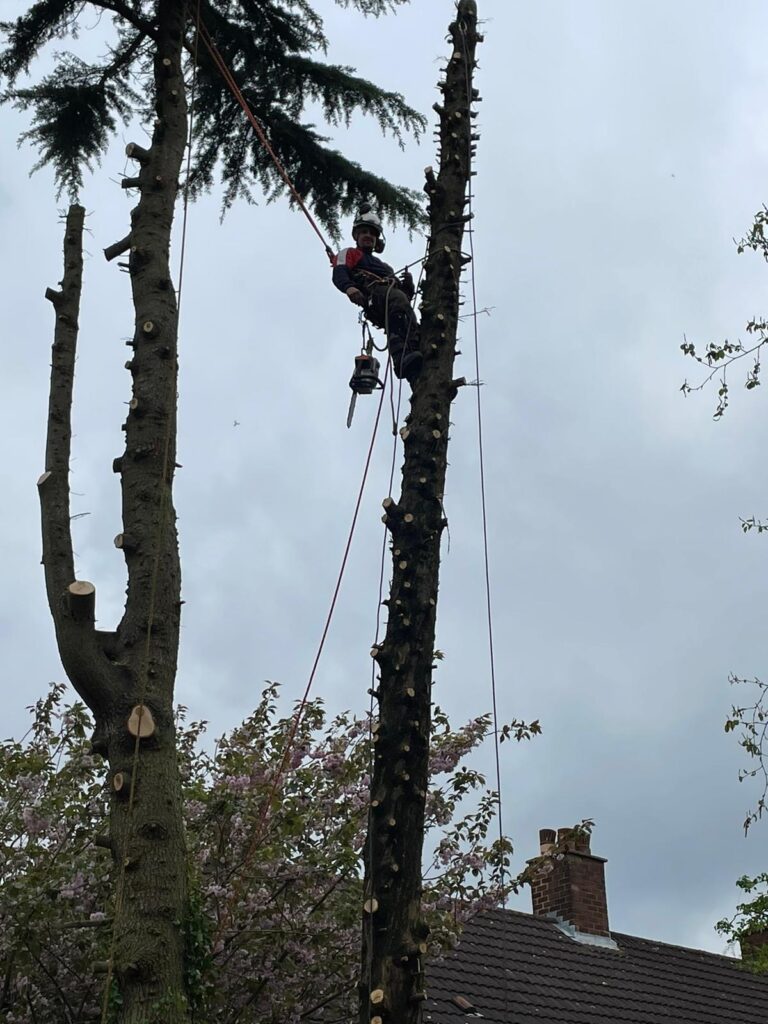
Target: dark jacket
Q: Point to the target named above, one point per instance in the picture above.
(354, 268)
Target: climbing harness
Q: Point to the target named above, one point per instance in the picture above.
(365, 376)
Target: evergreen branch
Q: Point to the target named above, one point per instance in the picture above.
(268, 46)
(129, 14)
(74, 117)
(374, 8)
(44, 21)
(341, 93)
(122, 59)
(263, 50)
(282, 30)
(330, 182)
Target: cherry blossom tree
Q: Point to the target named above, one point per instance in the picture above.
(275, 885)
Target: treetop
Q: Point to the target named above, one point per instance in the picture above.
(275, 52)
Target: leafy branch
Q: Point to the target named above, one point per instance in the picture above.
(718, 356)
(751, 918)
(752, 720)
(754, 524)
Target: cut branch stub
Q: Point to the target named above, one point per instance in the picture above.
(371, 905)
(377, 996)
(136, 152)
(43, 477)
(125, 542)
(121, 784)
(140, 722)
(118, 248)
(82, 600)
(393, 514)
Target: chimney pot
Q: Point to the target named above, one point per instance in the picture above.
(581, 840)
(571, 839)
(547, 838)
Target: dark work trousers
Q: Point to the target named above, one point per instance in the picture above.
(388, 307)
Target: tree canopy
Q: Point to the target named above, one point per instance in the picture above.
(275, 51)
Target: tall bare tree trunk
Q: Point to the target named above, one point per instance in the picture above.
(126, 677)
(394, 932)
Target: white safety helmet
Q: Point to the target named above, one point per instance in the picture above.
(368, 219)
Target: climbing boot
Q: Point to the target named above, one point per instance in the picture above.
(406, 358)
(410, 366)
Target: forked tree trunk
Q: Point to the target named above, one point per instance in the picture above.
(126, 677)
(392, 987)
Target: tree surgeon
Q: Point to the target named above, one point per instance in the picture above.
(369, 282)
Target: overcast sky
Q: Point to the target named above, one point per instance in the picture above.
(623, 147)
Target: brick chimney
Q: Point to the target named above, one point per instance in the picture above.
(568, 882)
(754, 948)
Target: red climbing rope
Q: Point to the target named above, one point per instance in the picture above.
(260, 825)
(229, 78)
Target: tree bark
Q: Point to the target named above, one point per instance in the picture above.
(126, 677)
(392, 988)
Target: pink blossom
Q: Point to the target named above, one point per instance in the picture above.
(33, 822)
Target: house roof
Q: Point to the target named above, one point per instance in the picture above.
(514, 968)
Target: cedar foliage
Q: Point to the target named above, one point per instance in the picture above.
(275, 50)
